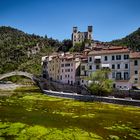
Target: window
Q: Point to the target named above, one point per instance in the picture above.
(136, 72)
(126, 56)
(71, 82)
(71, 64)
(113, 66)
(118, 76)
(68, 75)
(97, 67)
(118, 57)
(90, 59)
(126, 66)
(90, 67)
(71, 69)
(85, 73)
(114, 85)
(105, 58)
(68, 70)
(89, 36)
(113, 74)
(67, 65)
(118, 66)
(62, 70)
(62, 65)
(113, 57)
(126, 75)
(65, 76)
(136, 62)
(136, 79)
(83, 67)
(61, 77)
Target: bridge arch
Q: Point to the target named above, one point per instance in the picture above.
(19, 73)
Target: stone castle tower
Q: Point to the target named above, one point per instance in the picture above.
(78, 37)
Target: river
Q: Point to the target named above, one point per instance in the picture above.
(27, 114)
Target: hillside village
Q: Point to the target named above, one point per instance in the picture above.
(75, 68)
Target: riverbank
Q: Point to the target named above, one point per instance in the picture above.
(11, 86)
(93, 98)
(14, 86)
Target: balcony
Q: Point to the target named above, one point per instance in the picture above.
(105, 66)
(85, 73)
(97, 61)
(122, 79)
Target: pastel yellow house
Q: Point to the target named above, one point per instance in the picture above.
(53, 67)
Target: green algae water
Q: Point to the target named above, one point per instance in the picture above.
(29, 115)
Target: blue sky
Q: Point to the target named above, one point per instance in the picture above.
(111, 19)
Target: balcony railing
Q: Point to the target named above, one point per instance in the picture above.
(122, 79)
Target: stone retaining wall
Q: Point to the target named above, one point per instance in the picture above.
(56, 86)
(91, 98)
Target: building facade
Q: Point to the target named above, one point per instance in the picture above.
(69, 69)
(79, 37)
(124, 66)
(62, 67)
(135, 69)
(117, 60)
(84, 72)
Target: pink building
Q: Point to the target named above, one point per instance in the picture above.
(69, 68)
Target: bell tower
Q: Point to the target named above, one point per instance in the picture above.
(90, 32)
(74, 35)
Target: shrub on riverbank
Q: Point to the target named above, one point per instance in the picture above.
(100, 83)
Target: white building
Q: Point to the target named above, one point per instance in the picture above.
(135, 69)
(116, 59)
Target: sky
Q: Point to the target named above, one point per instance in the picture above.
(111, 19)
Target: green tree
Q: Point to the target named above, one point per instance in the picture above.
(79, 47)
(100, 84)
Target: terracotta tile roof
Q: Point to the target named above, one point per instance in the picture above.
(134, 55)
(86, 50)
(115, 48)
(85, 60)
(110, 50)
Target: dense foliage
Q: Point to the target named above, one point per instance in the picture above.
(100, 83)
(132, 41)
(79, 47)
(16, 45)
(66, 45)
(25, 114)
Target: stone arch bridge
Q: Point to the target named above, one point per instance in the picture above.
(19, 73)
